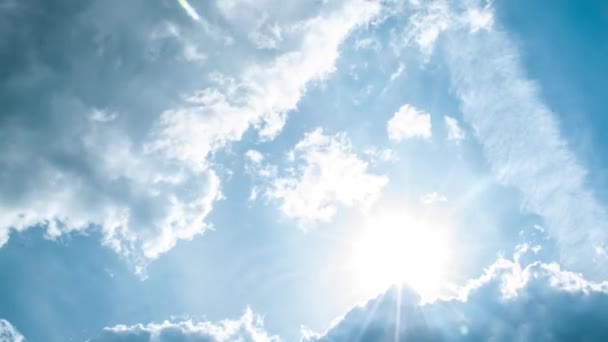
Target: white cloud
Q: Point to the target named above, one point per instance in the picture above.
(394, 76)
(519, 133)
(521, 139)
(254, 156)
(480, 19)
(190, 51)
(426, 24)
(397, 73)
(380, 155)
(455, 133)
(249, 327)
(433, 197)
(103, 115)
(509, 302)
(8, 333)
(371, 43)
(325, 173)
(409, 122)
(263, 94)
(144, 178)
(266, 35)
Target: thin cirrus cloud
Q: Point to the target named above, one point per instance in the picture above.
(409, 122)
(509, 302)
(522, 140)
(322, 173)
(519, 134)
(133, 160)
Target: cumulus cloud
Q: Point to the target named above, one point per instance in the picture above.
(455, 133)
(131, 108)
(249, 327)
(509, 302)
(409, 122)
(323, 172)
(8, 333)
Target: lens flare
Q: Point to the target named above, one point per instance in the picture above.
(189, 9)
(395, 250)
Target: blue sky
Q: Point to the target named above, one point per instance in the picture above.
(243, 170)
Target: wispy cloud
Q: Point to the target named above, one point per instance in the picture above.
(433, 197)
(249, 327)
(455, 133)
(522, 140)
(519, 133)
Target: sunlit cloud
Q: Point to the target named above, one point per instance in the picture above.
(142, 158)
(509, 301)
(243, 120)
(409, 122)
(324, 173)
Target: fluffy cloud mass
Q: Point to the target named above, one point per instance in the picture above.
(123, 130)
(8, 333)
(322, 173)
(510, 302)
(409, 122)
(248, 328)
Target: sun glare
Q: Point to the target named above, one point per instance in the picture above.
(394, 249)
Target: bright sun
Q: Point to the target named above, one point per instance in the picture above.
(394, 249)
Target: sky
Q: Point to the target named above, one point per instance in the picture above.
(327, 170)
